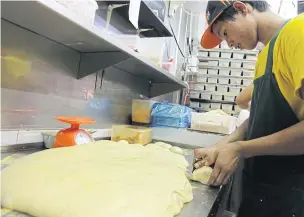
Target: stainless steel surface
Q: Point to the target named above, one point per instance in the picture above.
(38, 83)
(204, 197)
(185, 138)
(85, 38)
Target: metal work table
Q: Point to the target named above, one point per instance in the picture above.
(206, 200)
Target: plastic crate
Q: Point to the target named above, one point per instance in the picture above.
(214, 54)
(236, 72)
(224, 63)
(226, 55)
(225, 72)
(212, 71)
(236, 81)
(222, 89)
(223, 80)
(217, 97)
(212, 80)
(210, 87)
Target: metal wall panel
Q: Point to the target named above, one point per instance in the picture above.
(38, 83)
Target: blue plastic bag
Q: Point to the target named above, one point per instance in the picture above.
(170, 115)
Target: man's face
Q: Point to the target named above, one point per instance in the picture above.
(239, 33)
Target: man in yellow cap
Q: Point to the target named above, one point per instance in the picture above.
(272, 139)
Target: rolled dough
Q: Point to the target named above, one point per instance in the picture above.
(202, 175)
(176, 150)
(100, 179)
(164, 145)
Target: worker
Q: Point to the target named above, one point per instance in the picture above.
(271, 140)
(243, 100)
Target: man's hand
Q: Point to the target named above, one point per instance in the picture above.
(225, 157)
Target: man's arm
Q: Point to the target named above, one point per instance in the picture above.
(244, 97)
(289, 141)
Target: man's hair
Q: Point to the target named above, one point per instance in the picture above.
(228, 14)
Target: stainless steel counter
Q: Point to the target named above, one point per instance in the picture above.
(206, 200)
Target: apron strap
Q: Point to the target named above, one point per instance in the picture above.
(270, 50)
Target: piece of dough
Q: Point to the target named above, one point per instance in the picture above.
(176, 150)
(202, 174)
(164, 145)
(100, 179)
(123, 142)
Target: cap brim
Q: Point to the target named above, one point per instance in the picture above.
(210, 40)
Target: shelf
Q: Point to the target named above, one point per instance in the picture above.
(211, 101)
(146, 19)
(220, 67)
(228, 50)
(225, 59)
(205, 83)
(208, 110)
(214, 92)
(98, 49)
(220, 76)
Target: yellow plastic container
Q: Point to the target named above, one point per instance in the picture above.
(141, 110)
(132, 134)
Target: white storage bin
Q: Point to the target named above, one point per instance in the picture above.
(235, 90)
(249, 65)
(226, 55)
(213, 121)
(214, 54)
(223, 80)
(205, 106)
(203, 54)
(248, 73)
(212, 71)
(224, 63)
(236, 64)
(224, 72)
(202, 71)
(236, 81)
(236, 72)
(212, 80)
(215, 105)
(195, 95)
(210, 87)
(203, 63)
(247, 82)
(201, 79)
(198, 87)
(206, 96)
(227, 107)
(251, 57)
(217, 97)
(229, 98)
(194, 104)
(238, 56)
(213, 63)
(222, 89)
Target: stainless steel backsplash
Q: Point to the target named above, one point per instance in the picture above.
(38, 83)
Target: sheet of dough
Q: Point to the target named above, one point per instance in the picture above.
(100, 179)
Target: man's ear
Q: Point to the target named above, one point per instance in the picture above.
(240, 7)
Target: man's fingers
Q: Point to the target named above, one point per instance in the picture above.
(220, 179)
(199, 153)
(227, 178)
(215, 173)
(199, 164)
